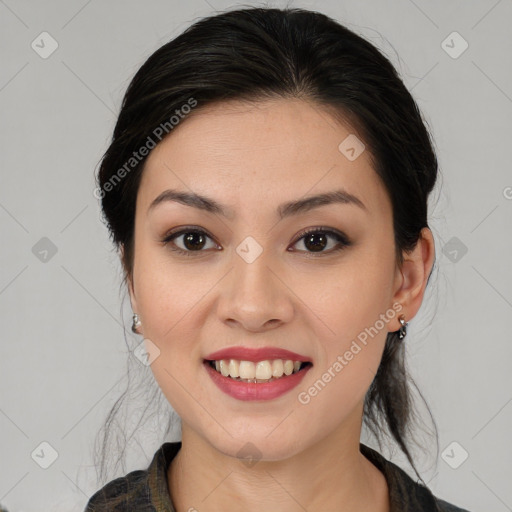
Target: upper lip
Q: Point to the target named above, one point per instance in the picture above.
(255, 354)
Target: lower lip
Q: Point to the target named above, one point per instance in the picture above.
(255, 391)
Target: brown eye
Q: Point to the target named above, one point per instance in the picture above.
(192, 240)
(318, 239)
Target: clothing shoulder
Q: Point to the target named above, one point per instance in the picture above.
(406, 494)
(123, 494)
(140, 490)
(444, 506)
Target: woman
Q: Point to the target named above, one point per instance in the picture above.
(267, 187)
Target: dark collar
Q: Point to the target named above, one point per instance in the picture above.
(405, 495)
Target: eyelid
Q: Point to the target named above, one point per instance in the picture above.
(182, 230)
(185, 229)
(323, 229)
(343, 242)
(342, 239)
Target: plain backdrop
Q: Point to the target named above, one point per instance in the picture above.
(64, 317)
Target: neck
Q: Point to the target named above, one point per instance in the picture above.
(331, 474)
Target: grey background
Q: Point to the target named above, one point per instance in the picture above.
(63, 316)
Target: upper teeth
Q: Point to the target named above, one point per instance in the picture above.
(259, 370)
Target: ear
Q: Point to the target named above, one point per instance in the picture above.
(411, 279)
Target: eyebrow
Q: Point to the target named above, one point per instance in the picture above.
(284, 210)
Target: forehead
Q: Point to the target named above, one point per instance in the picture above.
(252, 153)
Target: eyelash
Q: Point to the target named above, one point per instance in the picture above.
(342, 239)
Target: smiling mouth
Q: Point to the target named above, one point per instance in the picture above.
(257, 372)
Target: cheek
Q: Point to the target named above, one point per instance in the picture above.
(173, 299)
(169, 295)
(353, 313)
(349, 297)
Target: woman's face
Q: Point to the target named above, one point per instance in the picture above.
(251, 280)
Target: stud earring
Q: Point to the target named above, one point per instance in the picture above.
(402, 332)
(136, 323)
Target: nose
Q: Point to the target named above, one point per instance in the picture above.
(255, 296)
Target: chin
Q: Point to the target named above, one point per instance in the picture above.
(256, 444)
